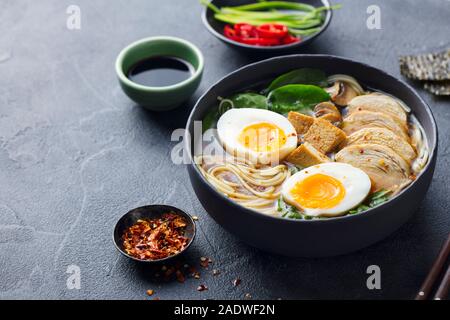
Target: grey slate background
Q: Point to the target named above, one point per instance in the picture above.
(75, 154)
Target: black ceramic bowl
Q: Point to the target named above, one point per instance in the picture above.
(150, 212)
(216, 27)
(324, 237)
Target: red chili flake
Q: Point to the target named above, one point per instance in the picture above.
(169, 272)
(236, 282)
(361, 151)
(202, 287)
(193, 272)
(204, 262)
(156, 239)
(192, 269)
(180, 276)
(150, 292)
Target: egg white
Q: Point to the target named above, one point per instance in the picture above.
(234, 121)
(355, 181)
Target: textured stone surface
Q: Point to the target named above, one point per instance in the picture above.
(75, 154)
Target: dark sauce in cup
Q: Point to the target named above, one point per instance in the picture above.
(160, 71)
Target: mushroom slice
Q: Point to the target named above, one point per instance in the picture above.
(386, 169)
(328, 111)
(368, 119)
(341, 93)
(383, 137)
(377, 102)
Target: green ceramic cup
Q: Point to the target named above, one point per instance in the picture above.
(159, 98)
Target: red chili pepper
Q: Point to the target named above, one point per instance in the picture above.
(229, 32)
(272, 30)
(270, 34)
(260, 41)
(290, 39)
(245, 30)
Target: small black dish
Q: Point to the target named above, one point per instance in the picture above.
(151, 212)
(216, 27)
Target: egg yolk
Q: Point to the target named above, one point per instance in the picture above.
(262, 137)
(318, 191)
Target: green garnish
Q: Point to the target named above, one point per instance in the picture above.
(249, 100)
(298, 90)
(288, 211)
(373, 201)
(209, 121)
(300, 76)
(294, 169)
(296, 97)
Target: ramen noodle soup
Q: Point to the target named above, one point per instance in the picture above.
(311, 146)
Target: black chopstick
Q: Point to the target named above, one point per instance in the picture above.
(434, 273)
(442, 291)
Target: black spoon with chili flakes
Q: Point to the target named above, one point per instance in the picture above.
(154, 233)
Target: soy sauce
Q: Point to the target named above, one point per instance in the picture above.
(160, 71)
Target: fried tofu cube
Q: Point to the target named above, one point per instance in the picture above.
(300, 121)
(324, 136)
(306, 155)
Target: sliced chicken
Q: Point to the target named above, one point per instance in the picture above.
(386, 169)
(328, 111)
(368, 119)
(383, 137)
(377, 102)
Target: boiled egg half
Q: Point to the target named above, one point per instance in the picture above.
(260, 136)
(328, 189)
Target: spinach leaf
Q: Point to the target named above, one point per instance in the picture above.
(210, 119)
(296, 97)
(300, 76)
(249, 100)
